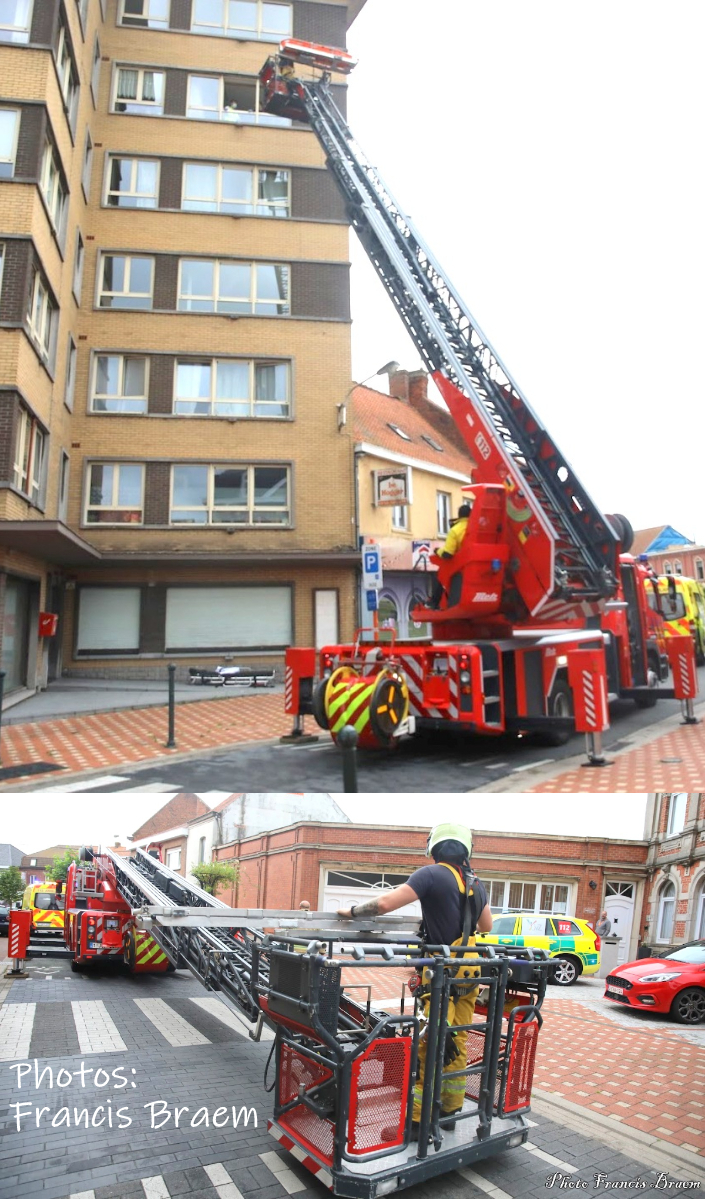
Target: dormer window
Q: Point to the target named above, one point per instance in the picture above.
(433, 444)
(399, 432)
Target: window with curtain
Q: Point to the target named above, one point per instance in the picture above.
(232, 388)
(139, 92)
(233, 495)
(132, 183)
(120, 383)
(247, 191)
(216, 285)
(30, 457)
(666, 912)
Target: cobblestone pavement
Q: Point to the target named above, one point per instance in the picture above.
(196, 1055)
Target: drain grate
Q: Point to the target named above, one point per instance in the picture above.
(670, 761)
(15, 772)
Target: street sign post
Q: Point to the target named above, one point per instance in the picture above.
(371, 568)
(372, 601)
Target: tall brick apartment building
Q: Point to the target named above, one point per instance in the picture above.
(174, 341)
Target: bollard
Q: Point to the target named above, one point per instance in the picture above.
(347, 740)
(2, 688)
(171, 743)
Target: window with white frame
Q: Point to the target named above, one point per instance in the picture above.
(699, 570)
(232, 98)
(87, 165)
(95, 71)
(259, 20)
(68, 77)
(667, 568)
(9, 129)
(30, 455)
(400, 519)
(173, 859)
(516, 895)
(41, 314)
(139, 91)
(114, 493)
(443, 510)
(120, 383)
(64, 485)
(15, 20)
(132, 183)
(145, 14)
(678, 566)
(244, 191)
(70, 386)
(677, 804)
(126, 281)
(78, 266)
(52, 187)
(215, 285)
(232, 495)
(201, 849)
(205, 101)
(666, 912)
(231, 387)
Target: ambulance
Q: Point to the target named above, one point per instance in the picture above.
(47, 909)
(683, 610)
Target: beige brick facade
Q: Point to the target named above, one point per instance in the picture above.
(61, 79)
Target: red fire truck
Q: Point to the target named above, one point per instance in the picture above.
(545, 616)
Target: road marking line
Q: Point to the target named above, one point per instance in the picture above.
(284, 1176)
(155, 1187)
(222, 1182)
(482, 1184)
(83, 1195)
(531, 1123)
(89, 784)
(215, 1007)
(177, 1031)
(533, 765)
(96, 1031)
(162, 788)
(16, 1022)
(548, 1157)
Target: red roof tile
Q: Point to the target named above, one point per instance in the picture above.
(373, 412)
(177, 811)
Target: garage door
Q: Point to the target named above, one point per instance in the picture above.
(228, 618)
(342, 889)
(109, 619)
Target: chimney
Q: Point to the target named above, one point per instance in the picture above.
(399, 385)
(418, 387)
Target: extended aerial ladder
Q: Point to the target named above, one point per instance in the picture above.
(344, 1071)
(544, 616)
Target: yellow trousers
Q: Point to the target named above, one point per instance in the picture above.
(461, 1007)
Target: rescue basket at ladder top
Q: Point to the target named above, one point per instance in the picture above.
(376, 705)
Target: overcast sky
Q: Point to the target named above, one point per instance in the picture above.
(550, 154)
(77, 819)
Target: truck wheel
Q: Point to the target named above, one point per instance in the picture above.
(566, 971)
(649, 699)
(75, 966)
(688, 1007)
(560, 703)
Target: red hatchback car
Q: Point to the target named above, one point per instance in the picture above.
(674, 985)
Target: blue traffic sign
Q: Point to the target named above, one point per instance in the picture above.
(372, 601)
(371, 567)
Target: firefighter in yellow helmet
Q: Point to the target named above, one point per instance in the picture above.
(454, 907)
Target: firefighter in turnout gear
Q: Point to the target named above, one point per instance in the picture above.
(454, 906)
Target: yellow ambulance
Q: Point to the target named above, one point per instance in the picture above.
(47, 909)
(571, 942)
(683, 610)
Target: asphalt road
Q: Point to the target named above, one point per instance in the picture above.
(162, 1042)
(426, 763)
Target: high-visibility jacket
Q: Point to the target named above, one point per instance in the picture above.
(455, 536)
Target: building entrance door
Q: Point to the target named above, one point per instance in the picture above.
(15, 633)
(619, 905)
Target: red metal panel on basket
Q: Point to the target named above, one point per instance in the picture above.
(379, 1094)
(310, 1130)
(520, 1069)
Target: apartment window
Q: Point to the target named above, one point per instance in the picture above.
(245, 191)
(233, 98)
(119, 384)
(95, 71)
(68, 79)
(677, 805)
(207, 285)
(173, 859)
(114, 493)
(126, 281)
(139, 92)
(41, 314)
(666, 912)
(30, 454)
(256, 19)
(202, 849)
(443, 508)
(9, 127)
(399, 517)
(52, 187)
(234, 388)
(64, 485)
(87, 165)
(83, 12)
(204, 97)
(15, 20)
(232, 495)
(145, 14)
(699, 571)
(78, 267)
(512, 895)
(132, 183)
(70, 387)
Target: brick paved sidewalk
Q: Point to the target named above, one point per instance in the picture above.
(671, 761)
(118, 738)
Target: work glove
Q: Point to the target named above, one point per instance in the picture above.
(450, 1050)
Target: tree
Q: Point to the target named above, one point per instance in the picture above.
(60, 866)
(11, 885)
(212, 875)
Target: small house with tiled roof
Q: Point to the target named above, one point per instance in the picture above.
(411, 466)
(167, 830)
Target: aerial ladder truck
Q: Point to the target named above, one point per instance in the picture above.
(344, 1070)
(545, 616)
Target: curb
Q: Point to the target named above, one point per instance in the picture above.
(642, 1146)
(219, 693)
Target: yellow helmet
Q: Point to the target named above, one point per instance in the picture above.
(449, 832)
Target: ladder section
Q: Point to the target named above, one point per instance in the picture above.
(584, 547)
